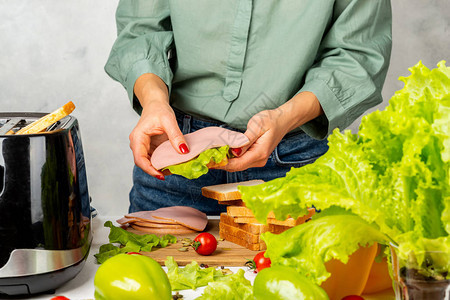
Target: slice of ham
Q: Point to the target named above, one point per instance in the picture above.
(145, 223)
(147, 216)
(203, 139)
(182, 215)
(158, 225)
(162, 231)
(125, 220)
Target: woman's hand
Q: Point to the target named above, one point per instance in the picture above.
(156, 124)
(266, 129)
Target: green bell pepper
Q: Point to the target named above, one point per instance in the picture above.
(285, 283)
(131, 277)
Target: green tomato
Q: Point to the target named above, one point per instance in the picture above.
(131, 277)
(284, 283)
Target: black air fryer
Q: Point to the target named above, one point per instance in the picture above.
(45, 216)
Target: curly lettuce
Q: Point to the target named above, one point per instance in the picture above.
(199, 166)
(393, 174)
(219, 286)
(191, 276)
(231, 287)
(130, 242)
(306, 248)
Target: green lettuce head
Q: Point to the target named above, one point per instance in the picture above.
(393, 174)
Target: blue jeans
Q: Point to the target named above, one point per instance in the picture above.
(148, 193)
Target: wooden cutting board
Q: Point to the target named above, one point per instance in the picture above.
(227, 253)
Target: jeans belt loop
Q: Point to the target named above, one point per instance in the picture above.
(186, 124)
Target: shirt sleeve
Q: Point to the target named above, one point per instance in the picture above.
(348, 74)
(142, 45)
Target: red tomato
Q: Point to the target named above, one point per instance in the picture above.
(261, 262)
(353, 297)
(205, 243)
(60, 298)
(131, 253)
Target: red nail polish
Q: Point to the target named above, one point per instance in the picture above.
(160, 177)
(183, 148)
(237, 151)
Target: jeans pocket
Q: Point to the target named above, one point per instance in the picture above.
(298, 150)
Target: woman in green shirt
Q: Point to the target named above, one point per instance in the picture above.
(286, 73)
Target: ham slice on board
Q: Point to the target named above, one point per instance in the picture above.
(157, 225)
(161, 231)
(174, 218)
(190, 217)
(203, 139)
(125, 221)
(148, 216)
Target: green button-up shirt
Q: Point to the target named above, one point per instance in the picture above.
(235, 58)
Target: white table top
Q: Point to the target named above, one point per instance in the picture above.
(82, 286)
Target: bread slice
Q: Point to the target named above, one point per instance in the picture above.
(47, 120)
(242, 211)
(239, 233)
(228, 191)
(226, 235)
(277, 229)
(246, 220)
(232, 202)
(253, 228)
(291, 222)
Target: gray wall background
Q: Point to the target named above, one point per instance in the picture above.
(54, 51)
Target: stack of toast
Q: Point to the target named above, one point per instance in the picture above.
(238, 224)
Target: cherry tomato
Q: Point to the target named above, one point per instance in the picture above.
(259, 262)
(60, 298)
(130, 253)
(353, 297)
(205, 243)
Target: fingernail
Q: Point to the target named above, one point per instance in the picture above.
(183, 148)
(237, 151)
(160, 177)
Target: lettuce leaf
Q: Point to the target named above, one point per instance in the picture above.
(280, 282)
(198, 166)
(191, 276)
(394, 173)
(219, 286)
(307, 247)
(431, 257)
(231, 287)
(130, 242)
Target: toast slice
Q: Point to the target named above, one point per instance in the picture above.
(250, 238)
(47, 120)
(232, 202)
(226, 235)
(228, 191)
(242, 211)
(253, 228)
(246, 220)
(290, 222)
(277, 229)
